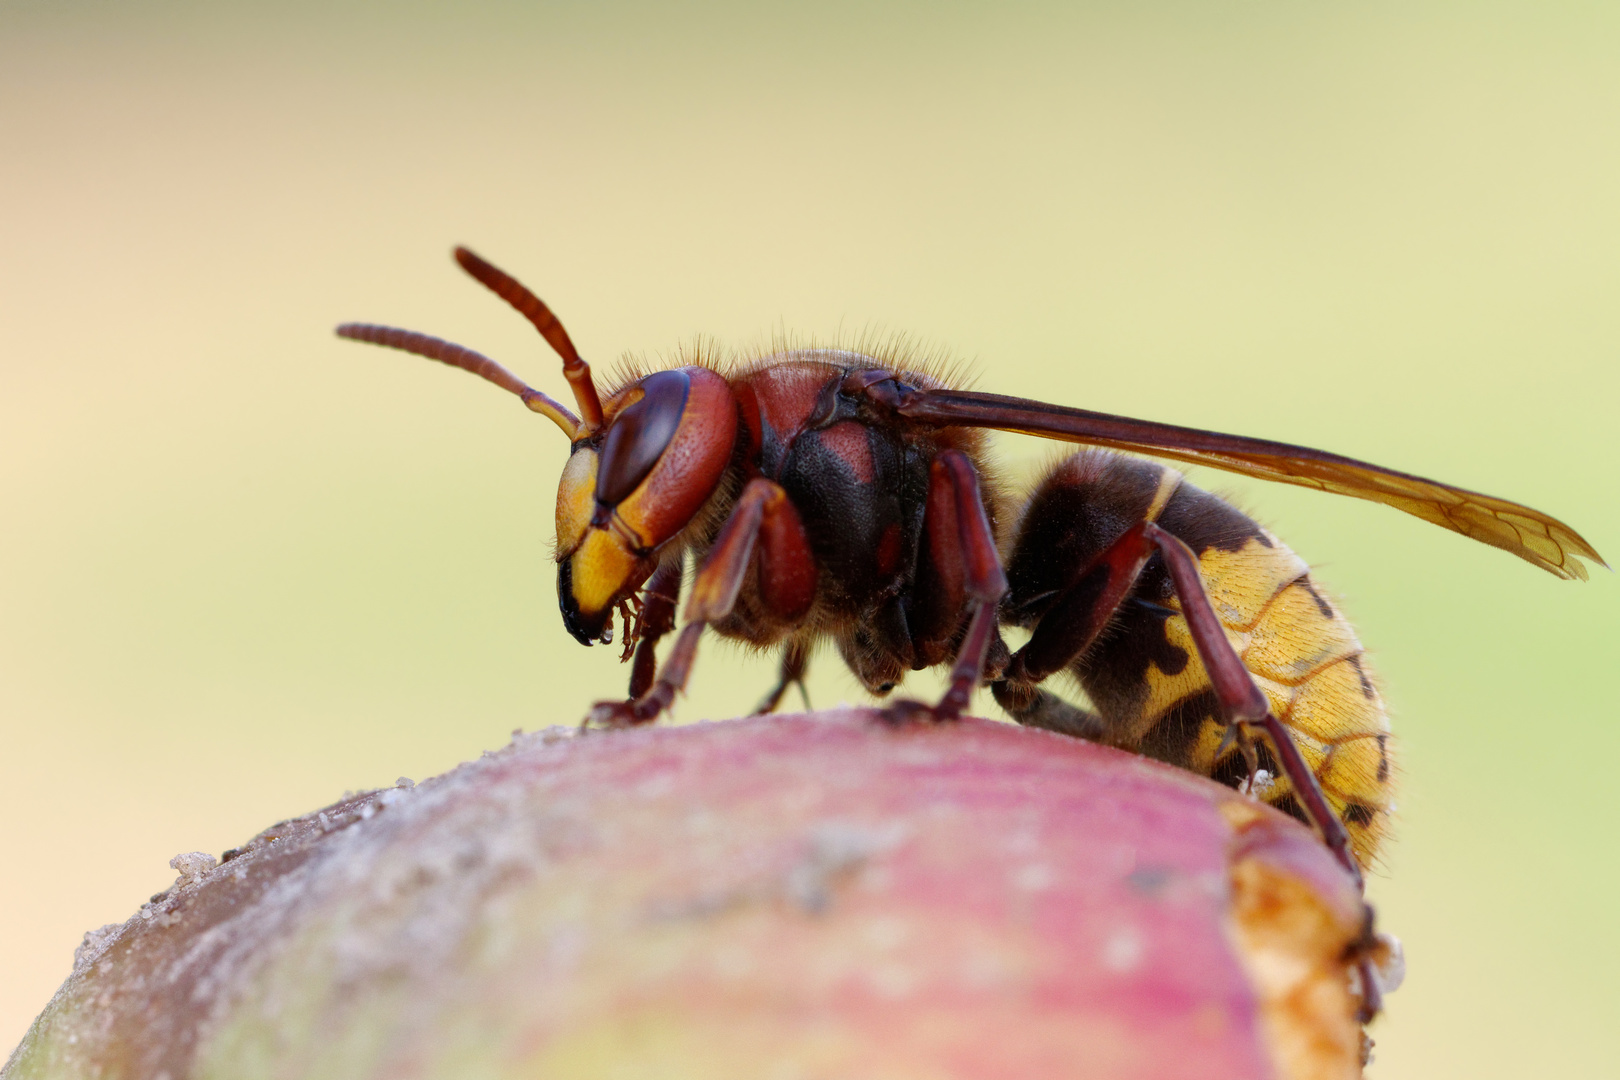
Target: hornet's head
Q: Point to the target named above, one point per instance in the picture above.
(644, 463)
(665, 445)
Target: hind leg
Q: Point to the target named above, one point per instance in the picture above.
(1034, 706)
(1070, 626)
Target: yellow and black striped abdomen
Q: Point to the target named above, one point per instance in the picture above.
(1307, 660)
(1144, 676)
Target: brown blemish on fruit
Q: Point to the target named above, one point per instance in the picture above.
(1293, 925)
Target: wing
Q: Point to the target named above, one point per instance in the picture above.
(1529, 534)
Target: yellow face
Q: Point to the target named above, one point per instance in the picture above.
(599, 565)
(633, 488)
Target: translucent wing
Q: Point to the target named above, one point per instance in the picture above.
(1531, 535)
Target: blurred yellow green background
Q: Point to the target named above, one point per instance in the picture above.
(245, 566)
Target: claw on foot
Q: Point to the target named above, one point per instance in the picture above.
(1377, 966)
(1380, 969)
(611, 716)
(770, 701)
(906, 711)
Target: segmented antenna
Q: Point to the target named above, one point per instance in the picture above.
(531, 307)
(447, 352)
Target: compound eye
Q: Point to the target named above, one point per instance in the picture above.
(639, 434)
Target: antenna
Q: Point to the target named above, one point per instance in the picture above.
(531, 307)
(447, 352)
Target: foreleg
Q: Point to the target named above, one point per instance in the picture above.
(659, 598)
(763, 530)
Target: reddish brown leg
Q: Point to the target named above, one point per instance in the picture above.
(657, 619)
(1073, 623)
(1242, 702)
(1070, 627)
(795, 658)
(1240, 698)
(763, 524)
(963, 550)
(1065, 631)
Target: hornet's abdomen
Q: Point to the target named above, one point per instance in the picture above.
(1144, 676)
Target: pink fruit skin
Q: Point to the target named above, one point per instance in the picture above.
(795, 896)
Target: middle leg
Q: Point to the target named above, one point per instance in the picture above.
(963, 570)
(795, 659)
